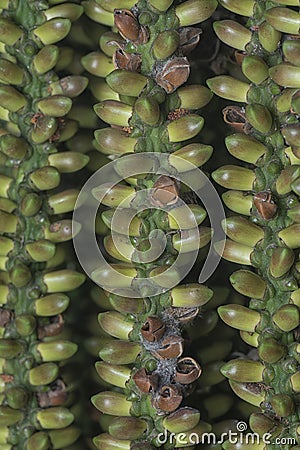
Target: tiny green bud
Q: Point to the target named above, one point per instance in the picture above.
(125, 82)
(113, 374)
(30, 204)
(261, 424)
(101, 91)
(268, 37)
(243, 370)
(44, 130)
(248, 283)
(255, 68)
(161, 5)
(55, 418)
(286, 178)
(9, 32)
(38, 441)
(232, 33)
(281, 261)
(20, 275)
(234, 177)
(41, 250)
(282, 405)
(109, 277)
(98, 64)
(58, 350)
(113, 112)
(291, 51)
(243, 231)
(181, 218)
(291, 134)
(25, 324)
(244, 8)
(45, 178)
(191, 12)
(238, 202)
(64, 201)
(127, 428)
(283, 19)
(148, 110)
(229, 88)
(115, 324)
(245, 147)
(9, 416)
(46, 59)
(248, 392)
(14, 147)
(165, 44)
(55, 106)
(43, 374)
(53, 30)
(291, 235)
(11, 99)
(259, 117)
(70, 86)
(190, 295)
(64, 438)
(16, 397)
(112, 403)
(286, 75)
(8, 222)
(10, 348)
(239, 317)
(287, 317)
(186, 127)
(10, 73)
(271, 350)
(63, 280)
(119, 352)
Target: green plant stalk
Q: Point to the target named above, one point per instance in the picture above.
(267, 238)
(149, 112)
(36, 400)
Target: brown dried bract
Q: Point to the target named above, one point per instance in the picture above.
(171, 347)
(168, 398)
(56, 396)
(235, 117)
(127, 61)
(153, 329)
(144, 381)
(265, 204)
(5, 316)
(129, 28)
(173, 74)
(187, 370)
(165, 191)
(189, 38)
(52, 329)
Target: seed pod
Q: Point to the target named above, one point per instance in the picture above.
(168, 398)
(65, 437)
(243, 9)
(259, 117)
(291, 50)
(171, 347)
(271, 350)
(172, 74)
(255, 69)
(51, 305)
(63, 280)
(127, 24)
(232, 33)
(165, 44)
(282, 260)
(45, 178)
(55, 106)
(115, 324)
(112, 403)
(38, 441)
(239, 317)
(250, 338)
(9, 416)
(291, 134)
(115, 113)
(283, 19)
(244, 147)
(98, 64)
(243, 370)
(53, 31)
(191, 12)
(287, 317)
(291, 236)
(54, 418)
(161, 5)
(185, 127)
(63, 201)
(234, 252)
(125, 82)
(238, 202)
(113, 374)
(153, 329)
(282, 405)
(8, 222)
(10, 348)
(148, 110)
(46, 59)
(112, 196)
(234, 177)
(194, 96)
(248, 283)
(20, 275)
(10, 73)
(229, 88)
(187, 371)
(268, 37)
(114, 141)
(165, 192)
(44, 129)
(14, 147)
(43, 374)
(190, 295)
(67, 11)
(184, 419)
(190, 240)
(55, 351)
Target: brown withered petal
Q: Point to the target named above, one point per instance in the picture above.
(52, 329)
(153, 329)
(145, 382)
(56, 396)
(5, 316)
(168, 398)
(127, 61)
(172, 74)
(127, 24)
(265, 204)
(165, 191)
(235, 117)
(171, 347)
(189, 38)
(143, 35)
(187, 370)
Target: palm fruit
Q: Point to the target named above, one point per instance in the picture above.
(147, 109)
(37, 408)
(266, 238)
